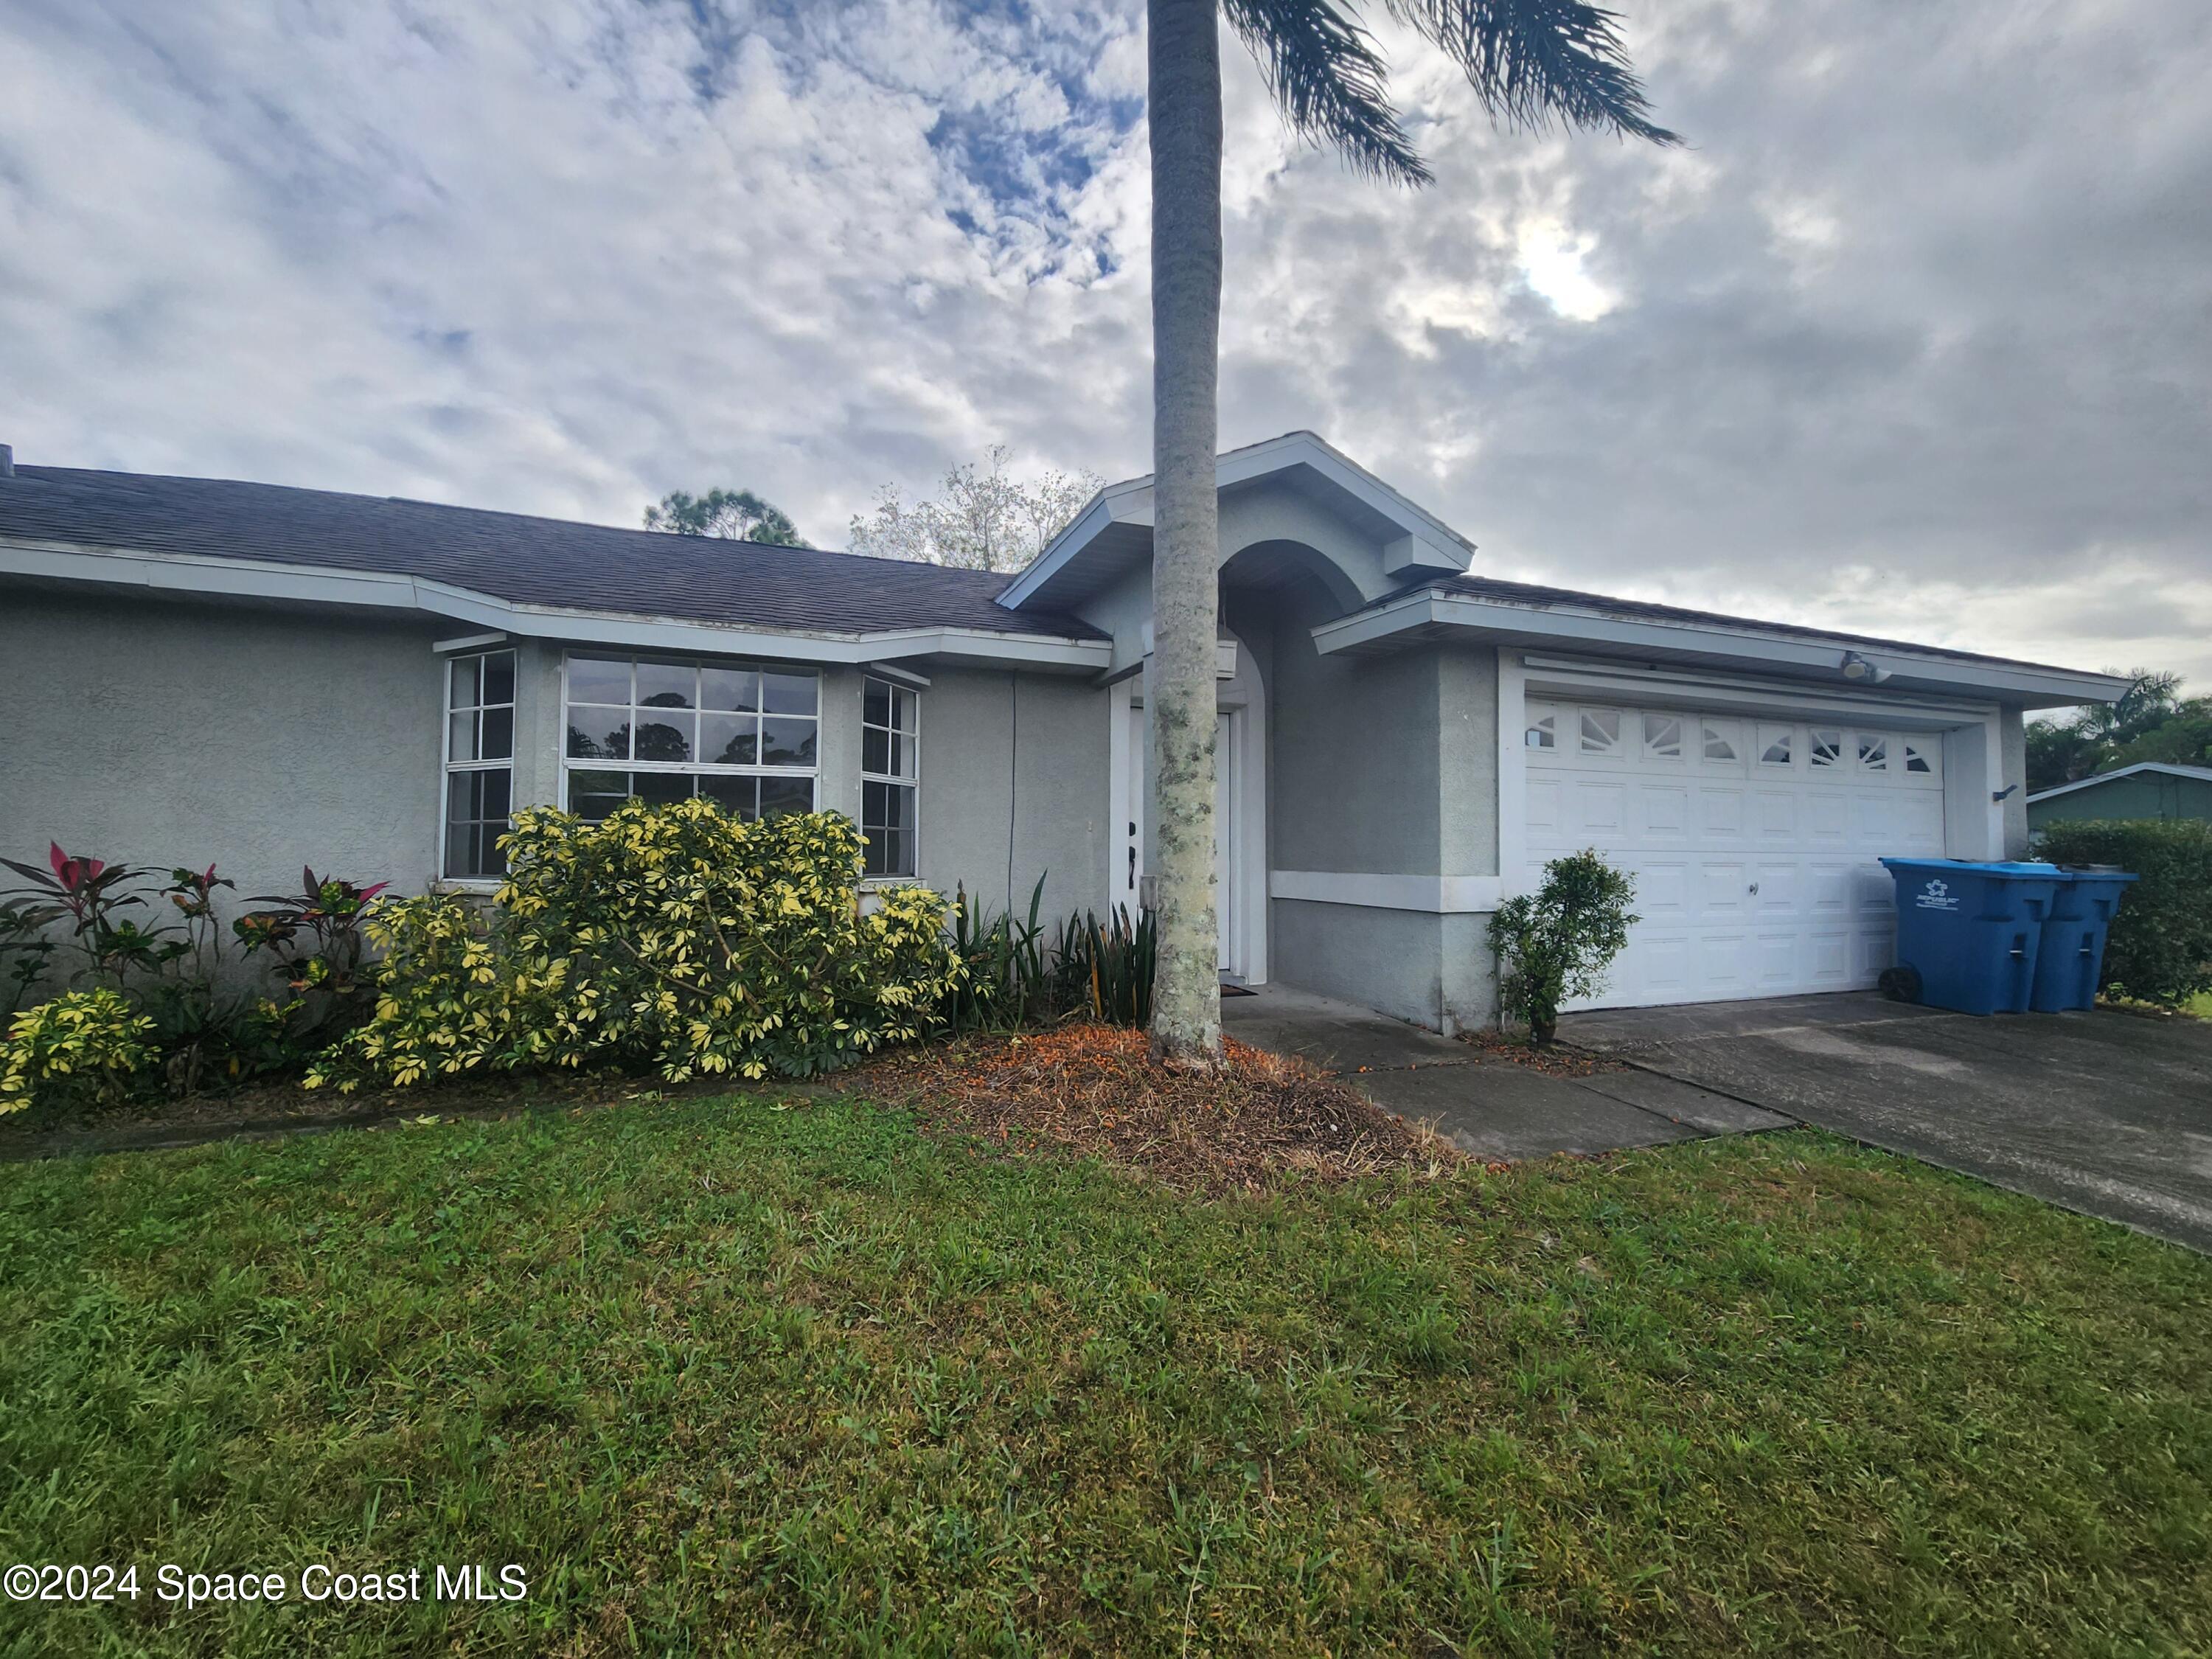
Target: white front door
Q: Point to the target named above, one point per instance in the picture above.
(1224, 837)
(1754, 843)
(1226, 856)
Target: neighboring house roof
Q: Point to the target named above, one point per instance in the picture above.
(546, 564)
(2202, 774)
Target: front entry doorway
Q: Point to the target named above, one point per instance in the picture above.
(1227, 844)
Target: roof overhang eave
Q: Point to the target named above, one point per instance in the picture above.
(1386, 627)
(383, 590)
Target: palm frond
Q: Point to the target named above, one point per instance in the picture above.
(1532, 60)
(1332, 85)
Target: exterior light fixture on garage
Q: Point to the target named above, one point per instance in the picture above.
(1857, 668)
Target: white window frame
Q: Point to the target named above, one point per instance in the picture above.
(693, 768)
(448, 768)
(911, 781)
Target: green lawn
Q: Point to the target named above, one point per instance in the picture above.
(722, 1378)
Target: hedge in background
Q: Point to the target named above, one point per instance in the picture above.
(671, 936)
(2161, 949)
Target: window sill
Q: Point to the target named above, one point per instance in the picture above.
(468, 886)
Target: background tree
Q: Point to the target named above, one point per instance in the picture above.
(2151, 722)
(1530, 62)
(736, 515)
(984, 519)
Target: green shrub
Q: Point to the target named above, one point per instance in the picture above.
(1100, 970)
(83, 1049)
(2161, 949)
(1105, 969)
(671, 936)
(1006, 977)
(1555, 944)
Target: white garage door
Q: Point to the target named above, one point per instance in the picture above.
(1753, 842)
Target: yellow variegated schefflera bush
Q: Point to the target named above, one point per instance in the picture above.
(84, 1047)
(675, 936)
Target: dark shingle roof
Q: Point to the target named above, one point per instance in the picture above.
(511, 556)
(1543, 598)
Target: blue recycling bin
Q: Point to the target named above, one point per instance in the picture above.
(1967, 933)
(2071, 956)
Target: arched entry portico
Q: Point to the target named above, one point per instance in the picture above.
(1240, 806)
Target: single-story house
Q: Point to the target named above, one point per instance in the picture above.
(2148, 789)
(267, 677)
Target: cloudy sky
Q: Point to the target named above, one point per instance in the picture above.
(1915, 336)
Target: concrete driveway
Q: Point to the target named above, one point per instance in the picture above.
(2105, 1113)
(1495, 1108)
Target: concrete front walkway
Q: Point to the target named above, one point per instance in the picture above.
(1495, 1108)
(2109, 1114)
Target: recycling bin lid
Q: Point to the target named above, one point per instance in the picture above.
(1991, 867)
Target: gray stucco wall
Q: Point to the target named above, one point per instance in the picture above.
(185, 733)
(172, 733)
(1382, 766)
(1356, 775)
(1014, 780)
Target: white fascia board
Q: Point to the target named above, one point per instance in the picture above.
(1429, 544)
(1116, 504)
(1448, 896)
(466, 642)
(1753, 647)
(1716, 691)
(905, 677)
(372, 590)
(2203, 774)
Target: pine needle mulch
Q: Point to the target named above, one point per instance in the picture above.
(1094, 1091)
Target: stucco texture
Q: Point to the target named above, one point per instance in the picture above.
(263, 739)
(184, 733)
(1014, 787)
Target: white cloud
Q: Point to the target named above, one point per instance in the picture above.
(1911, 339)
(1552, 263)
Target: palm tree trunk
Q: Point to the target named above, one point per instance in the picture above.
(1185, 115)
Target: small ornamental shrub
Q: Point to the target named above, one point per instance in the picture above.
(2160, 946)
(452, 995)
(90, 895)
(675, 937)
(83, 1050)
(1094, 970)
(161, 948)
(1555, 944)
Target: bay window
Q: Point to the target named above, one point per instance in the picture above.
(479, 764)
(740, 733)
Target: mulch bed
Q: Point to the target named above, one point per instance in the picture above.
(1094, 1091)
